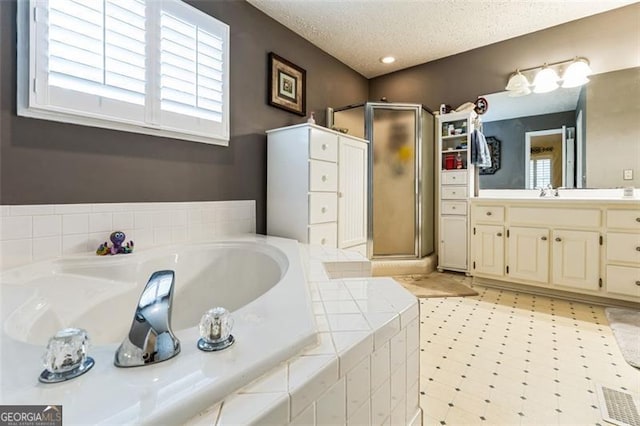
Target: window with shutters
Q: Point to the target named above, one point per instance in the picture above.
(540, 172)
(146, 66)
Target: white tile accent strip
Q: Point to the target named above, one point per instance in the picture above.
(32, 233)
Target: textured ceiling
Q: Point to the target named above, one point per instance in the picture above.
(360, 32)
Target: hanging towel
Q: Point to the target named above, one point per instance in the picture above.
(480, 155)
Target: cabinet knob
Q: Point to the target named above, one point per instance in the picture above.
(323, 241)
(543, 238)
(489, 213)
(324, 146)
(638, 283)
(558, 239)
(637, 219)
(637, 248)
(499, 234)
(324, 178)
(323, 209)
(453, 207)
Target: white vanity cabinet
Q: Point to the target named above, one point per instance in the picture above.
(317, 186)
(528, 254)
(576, 259)
(488, 241)
(569, 245)
(622, 257)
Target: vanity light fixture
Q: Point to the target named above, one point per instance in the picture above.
(387, 59)
(546, 77)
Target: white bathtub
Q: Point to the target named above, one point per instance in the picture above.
(260, 279)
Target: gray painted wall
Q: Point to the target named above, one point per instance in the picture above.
(609, 40)
(511, 134)
(48, 162)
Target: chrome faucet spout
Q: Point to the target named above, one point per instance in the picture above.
(543, 192)
(150, 339)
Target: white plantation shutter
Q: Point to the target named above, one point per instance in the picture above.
(149, 66)
(192, 71)
(94, 57)
(540, 172)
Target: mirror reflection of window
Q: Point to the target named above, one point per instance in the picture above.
(540, 172)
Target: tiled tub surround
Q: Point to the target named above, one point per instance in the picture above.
(30, 233)
(260, 279)
(365, 369)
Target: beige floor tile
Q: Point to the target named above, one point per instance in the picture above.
(435, 408)
(458, 416)
(471, 403)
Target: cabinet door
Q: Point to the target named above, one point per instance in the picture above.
(488, 249)
(453, 242)
(576, 259)
(352, 192)
(529, 254)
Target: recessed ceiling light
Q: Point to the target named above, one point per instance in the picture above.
(388, 60)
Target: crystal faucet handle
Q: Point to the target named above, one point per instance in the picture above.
(66, 356)
(215, 330)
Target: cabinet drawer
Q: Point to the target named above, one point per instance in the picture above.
(454, 178)
(323, 146)
(492, 214)
(623, 247)
(454, 192)
(324, 234)
(323, 207)
(454, 207)
(629, 219)
(555, 217)
(623, 280)
(323, 176)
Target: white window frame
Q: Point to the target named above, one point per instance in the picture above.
(28, 85)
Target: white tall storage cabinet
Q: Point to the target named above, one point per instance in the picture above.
(317, 186)
(456, 185)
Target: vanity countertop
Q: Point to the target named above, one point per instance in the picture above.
(558, 200)
(577, 196)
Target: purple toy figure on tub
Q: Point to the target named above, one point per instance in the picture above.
(117, 238)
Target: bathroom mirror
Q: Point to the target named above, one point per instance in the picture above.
(584, 137)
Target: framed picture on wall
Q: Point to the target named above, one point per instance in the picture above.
(287, 85)
(494, 151)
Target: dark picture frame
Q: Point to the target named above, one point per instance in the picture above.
(287, 85)
(494, 150)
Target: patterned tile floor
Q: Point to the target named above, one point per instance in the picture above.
(511, 358)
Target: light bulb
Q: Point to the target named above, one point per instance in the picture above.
(545, 81)
(518, 83)
(576, 74)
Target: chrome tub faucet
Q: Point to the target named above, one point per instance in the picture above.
(150, 339)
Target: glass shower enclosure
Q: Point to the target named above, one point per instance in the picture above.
(401, 175)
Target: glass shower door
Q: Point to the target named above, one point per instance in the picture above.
(393, 181)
